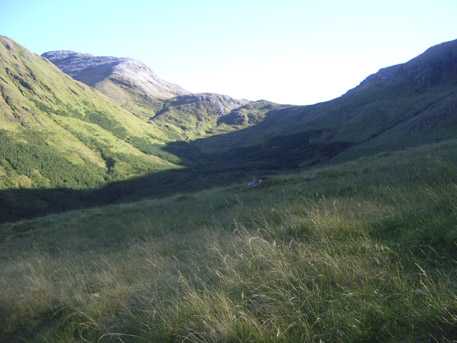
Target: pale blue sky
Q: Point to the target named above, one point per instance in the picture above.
(288, 51)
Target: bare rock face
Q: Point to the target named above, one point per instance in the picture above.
(249, 114)
(127, 73)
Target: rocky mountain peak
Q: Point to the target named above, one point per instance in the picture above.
(124, 72)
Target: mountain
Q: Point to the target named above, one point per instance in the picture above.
(404, 105)
(128, 82)
(57, 132)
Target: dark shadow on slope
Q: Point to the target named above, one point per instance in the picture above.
(202, 171)
(18, 204)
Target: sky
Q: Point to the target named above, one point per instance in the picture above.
(287, 51)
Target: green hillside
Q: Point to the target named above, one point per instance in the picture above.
(56, 132)
(359, 252)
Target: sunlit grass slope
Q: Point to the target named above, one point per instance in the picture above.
(360, 252)
(55, 131)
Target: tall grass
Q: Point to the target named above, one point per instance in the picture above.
(340, 254)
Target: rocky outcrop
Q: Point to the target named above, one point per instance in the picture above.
(249, 114)
(212, 104)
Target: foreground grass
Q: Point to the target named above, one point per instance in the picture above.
(361, 252)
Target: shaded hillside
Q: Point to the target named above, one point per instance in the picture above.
(55, 131)
(128, 82)
(409, 104)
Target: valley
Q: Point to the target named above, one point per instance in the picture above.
(128, 211)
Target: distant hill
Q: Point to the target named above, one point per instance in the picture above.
(206, 114)
(55, 131)
(128, 82)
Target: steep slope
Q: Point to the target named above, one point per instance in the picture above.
(130, 83)
(404, 105)
(56, 132)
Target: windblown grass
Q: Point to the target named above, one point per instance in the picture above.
(361, 252)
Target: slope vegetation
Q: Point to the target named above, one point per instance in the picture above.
(57, 132)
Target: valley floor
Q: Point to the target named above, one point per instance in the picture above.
(358, 252)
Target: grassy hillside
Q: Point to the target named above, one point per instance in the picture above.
(359, 252)
(129, 98)
(56, 132)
